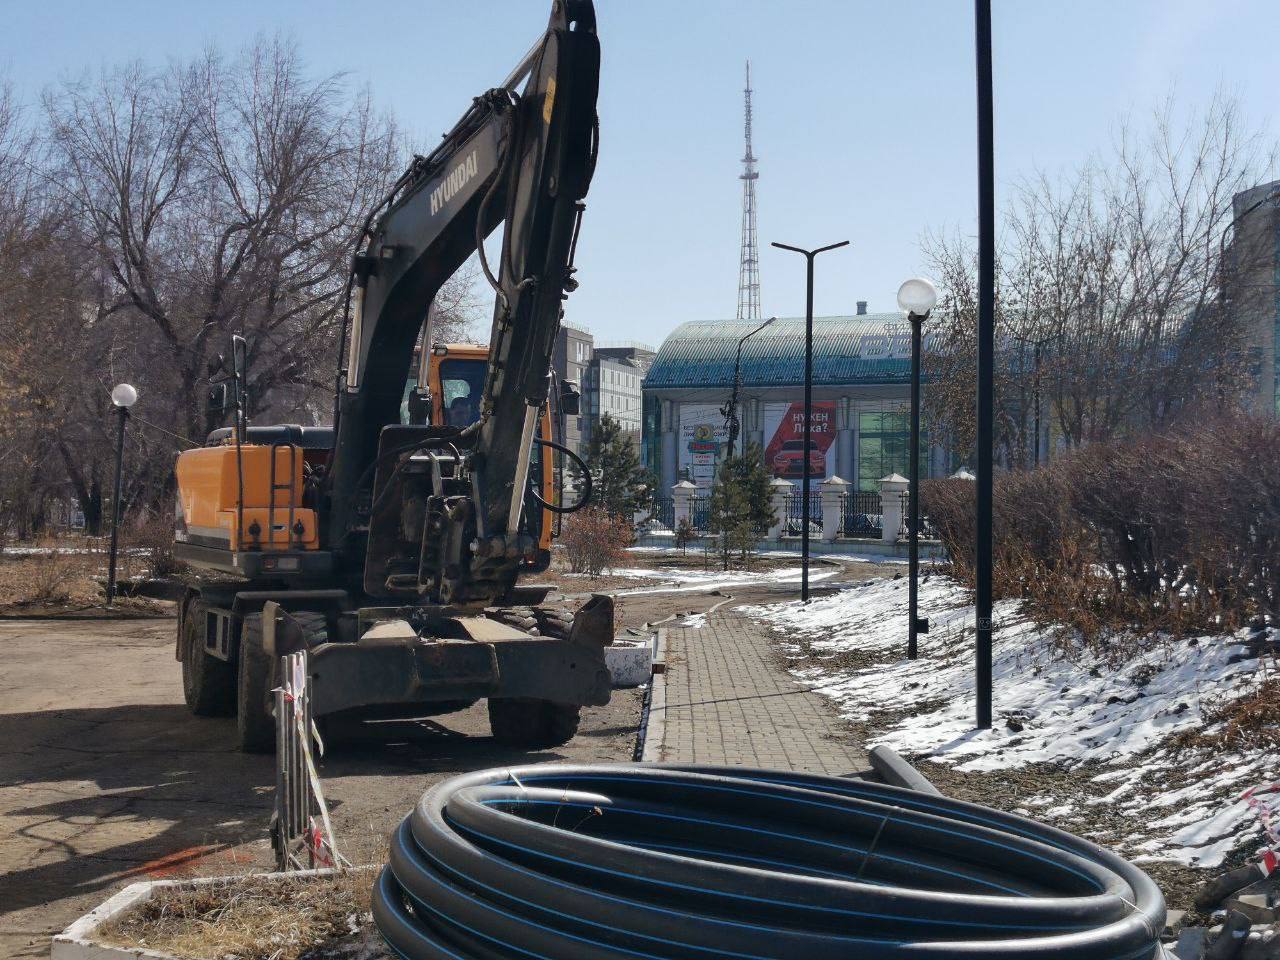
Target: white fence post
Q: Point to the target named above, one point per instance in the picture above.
(892, 488)
(779, 490)
(833, 490)
(682, 503)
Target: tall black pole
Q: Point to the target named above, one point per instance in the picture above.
(123, 413)
(913, 531)
(986, 354)
(808, 403)
(808, 429)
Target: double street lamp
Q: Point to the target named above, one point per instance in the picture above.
(808, 402)
(916, 298)
(123, 396)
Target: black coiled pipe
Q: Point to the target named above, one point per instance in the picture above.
(637, 862)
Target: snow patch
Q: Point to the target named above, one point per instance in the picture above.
(1050, 708)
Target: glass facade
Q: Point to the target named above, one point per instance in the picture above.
(884, 447)
(651, 447)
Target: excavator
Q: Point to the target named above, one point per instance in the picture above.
(389, 546)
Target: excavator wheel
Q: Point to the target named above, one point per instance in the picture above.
(259, 674)
(532, 724)
(208, 684)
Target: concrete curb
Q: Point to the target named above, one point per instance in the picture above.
(76, 941)
(653, 729)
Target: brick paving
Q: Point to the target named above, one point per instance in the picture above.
(726, 699)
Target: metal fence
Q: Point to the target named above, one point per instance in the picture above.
(927, 530)
(700, 512)
(664, 513)
(793, 513)
(861, 514)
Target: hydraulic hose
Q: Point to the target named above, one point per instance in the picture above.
(651, 862)
(585, 496)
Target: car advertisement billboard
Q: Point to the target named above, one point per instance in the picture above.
(784, 440)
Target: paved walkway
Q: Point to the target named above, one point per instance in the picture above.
(726, 699)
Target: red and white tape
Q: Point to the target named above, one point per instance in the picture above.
(1264, 801)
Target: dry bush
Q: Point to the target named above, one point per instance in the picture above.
(154, 536)
(49, 578)
(594, 541)
(1247, 723)
(1175, 533)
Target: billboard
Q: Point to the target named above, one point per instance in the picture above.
(704, 441)
(784, 440)
(703, 438)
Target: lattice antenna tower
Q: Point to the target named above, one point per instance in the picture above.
(749, 265)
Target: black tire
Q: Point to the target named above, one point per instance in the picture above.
(208, 684)
(259, 674)
(535, 724)
(255, 678)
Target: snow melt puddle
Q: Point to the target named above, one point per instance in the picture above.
(1068, 711)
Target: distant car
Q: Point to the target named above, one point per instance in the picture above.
(787, 461)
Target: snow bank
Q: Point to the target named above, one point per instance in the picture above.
(1072, 711)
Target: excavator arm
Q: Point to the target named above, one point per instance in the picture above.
(438, 513)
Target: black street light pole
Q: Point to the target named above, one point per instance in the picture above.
(123, 397)
(732, 423)
(917, 298)
(731, 411)
(808, 402)
(986, 355)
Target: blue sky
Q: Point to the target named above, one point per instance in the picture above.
(864, 113)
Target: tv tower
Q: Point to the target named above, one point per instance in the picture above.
(749, 266)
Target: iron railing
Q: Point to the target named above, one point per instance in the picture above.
(927, 530)
(861, 514)
(793, 513)
(700, 512)
(664, 513)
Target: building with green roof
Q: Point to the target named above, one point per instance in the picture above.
(861, 393)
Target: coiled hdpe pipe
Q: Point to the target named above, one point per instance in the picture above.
(636, 862)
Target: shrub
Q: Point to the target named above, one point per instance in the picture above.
(50, 580)
(154, 536)
(684, 533)
(1175, 533)
(594, 540)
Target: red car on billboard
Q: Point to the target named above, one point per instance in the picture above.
(784, 454)
(789, 460)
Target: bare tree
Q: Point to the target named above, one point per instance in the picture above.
(1112, 277)
(221, 197)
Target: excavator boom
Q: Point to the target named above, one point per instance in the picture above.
(523, 159)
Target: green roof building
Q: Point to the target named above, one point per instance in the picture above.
(861, 384)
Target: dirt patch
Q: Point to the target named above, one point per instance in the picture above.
(253, 919)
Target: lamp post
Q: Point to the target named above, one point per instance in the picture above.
(916, 297)
(986, 357)
(731, 411)
(731, 422)
(808, 402)
(123, 396)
